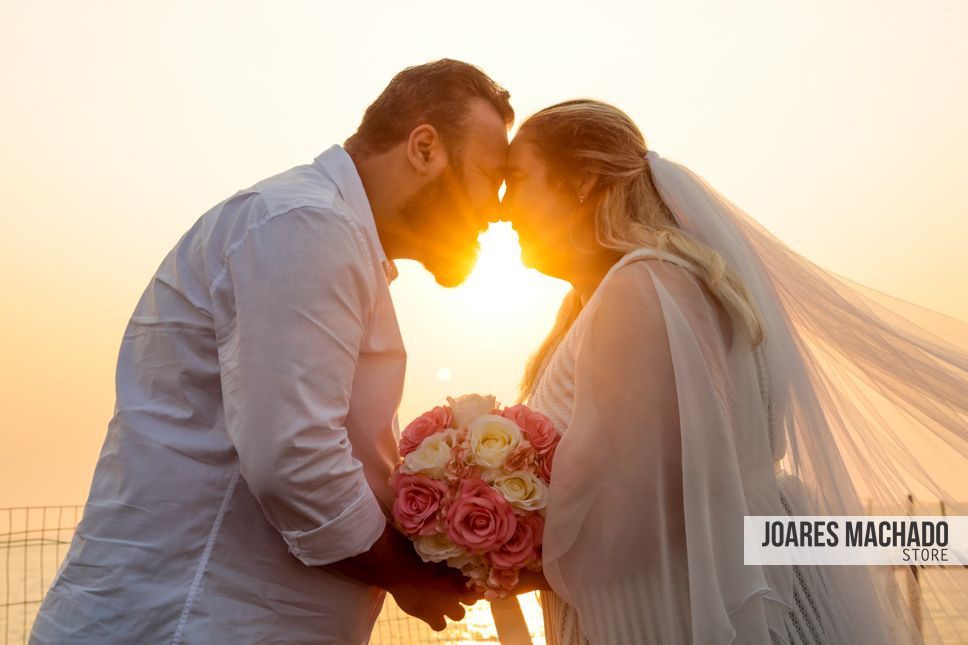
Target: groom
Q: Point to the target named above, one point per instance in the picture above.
(241, 493)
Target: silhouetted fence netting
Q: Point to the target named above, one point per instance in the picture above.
(34, 541)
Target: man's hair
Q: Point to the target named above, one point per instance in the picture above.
(437, 94)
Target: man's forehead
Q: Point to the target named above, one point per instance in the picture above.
(519, 152)
(486, 129)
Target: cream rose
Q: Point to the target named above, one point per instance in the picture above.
(522, 490)
(465, 560)
(467, 408)
(491, 439)
(472, 566)
(431, 456)
(437, 548)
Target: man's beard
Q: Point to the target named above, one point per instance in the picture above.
(433, 217)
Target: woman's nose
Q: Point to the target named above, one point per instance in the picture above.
(504, 210)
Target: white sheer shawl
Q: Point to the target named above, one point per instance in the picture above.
(677, 431)
(663, 455)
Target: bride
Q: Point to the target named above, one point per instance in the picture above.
(701, 371)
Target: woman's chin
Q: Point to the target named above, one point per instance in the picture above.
(533, 259)
(528, 259)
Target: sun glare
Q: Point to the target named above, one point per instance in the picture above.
(499, 268)
(476, 337)
(480, 624)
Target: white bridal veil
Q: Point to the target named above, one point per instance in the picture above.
(862, 399)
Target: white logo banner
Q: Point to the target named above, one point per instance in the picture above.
(855, 539)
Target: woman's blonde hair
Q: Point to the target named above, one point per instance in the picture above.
(585, 137)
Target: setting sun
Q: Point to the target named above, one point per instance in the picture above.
(499, 269)
(478, 336)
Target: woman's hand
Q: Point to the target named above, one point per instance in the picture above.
(531, 581)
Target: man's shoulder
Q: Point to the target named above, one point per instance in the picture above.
(300, 187)
(301, 202)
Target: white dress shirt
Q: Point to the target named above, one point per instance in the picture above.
(253, 434)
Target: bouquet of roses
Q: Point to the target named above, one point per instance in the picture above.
(471, 488)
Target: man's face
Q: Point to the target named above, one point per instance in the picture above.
(453, 209)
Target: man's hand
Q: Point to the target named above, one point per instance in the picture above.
(427, 591)
(436, 592)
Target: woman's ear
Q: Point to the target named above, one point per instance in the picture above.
(425, 152)
(586, 185)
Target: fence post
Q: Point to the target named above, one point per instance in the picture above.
(914, 582)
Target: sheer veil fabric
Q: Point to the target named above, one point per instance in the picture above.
(675, 428)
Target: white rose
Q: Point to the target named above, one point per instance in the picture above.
(437, 548)
(491, 439)
(522, 490)
(469, 407)
(431, 455)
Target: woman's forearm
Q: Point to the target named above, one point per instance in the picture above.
(531, 581)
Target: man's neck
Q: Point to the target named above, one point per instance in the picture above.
(379, 176)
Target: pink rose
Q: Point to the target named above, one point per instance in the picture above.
(543, 466)
(428, 423)
(538, 429)
(524, 546)
(500, 582)
(521, 458)
(479, 519)
(459, 466)
(417, 500)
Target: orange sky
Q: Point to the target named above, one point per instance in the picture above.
(839, 126)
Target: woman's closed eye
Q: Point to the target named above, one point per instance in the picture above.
(512, 181)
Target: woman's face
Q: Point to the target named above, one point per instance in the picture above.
(540, 210)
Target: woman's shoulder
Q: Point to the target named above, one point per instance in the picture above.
(627, 293)
(637, 288)
(633, 278)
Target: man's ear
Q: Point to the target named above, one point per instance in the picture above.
(425, 150)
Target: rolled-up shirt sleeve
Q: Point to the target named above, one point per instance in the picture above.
(301, 286)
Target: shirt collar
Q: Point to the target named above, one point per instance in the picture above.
(337, 164)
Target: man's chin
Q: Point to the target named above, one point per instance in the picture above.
(451, 275)
(449, 281)
(449, 278)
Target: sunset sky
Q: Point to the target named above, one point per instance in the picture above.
(840, 126)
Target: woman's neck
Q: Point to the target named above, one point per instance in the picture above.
(588, 272)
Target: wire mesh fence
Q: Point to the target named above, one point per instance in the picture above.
(34, 541)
